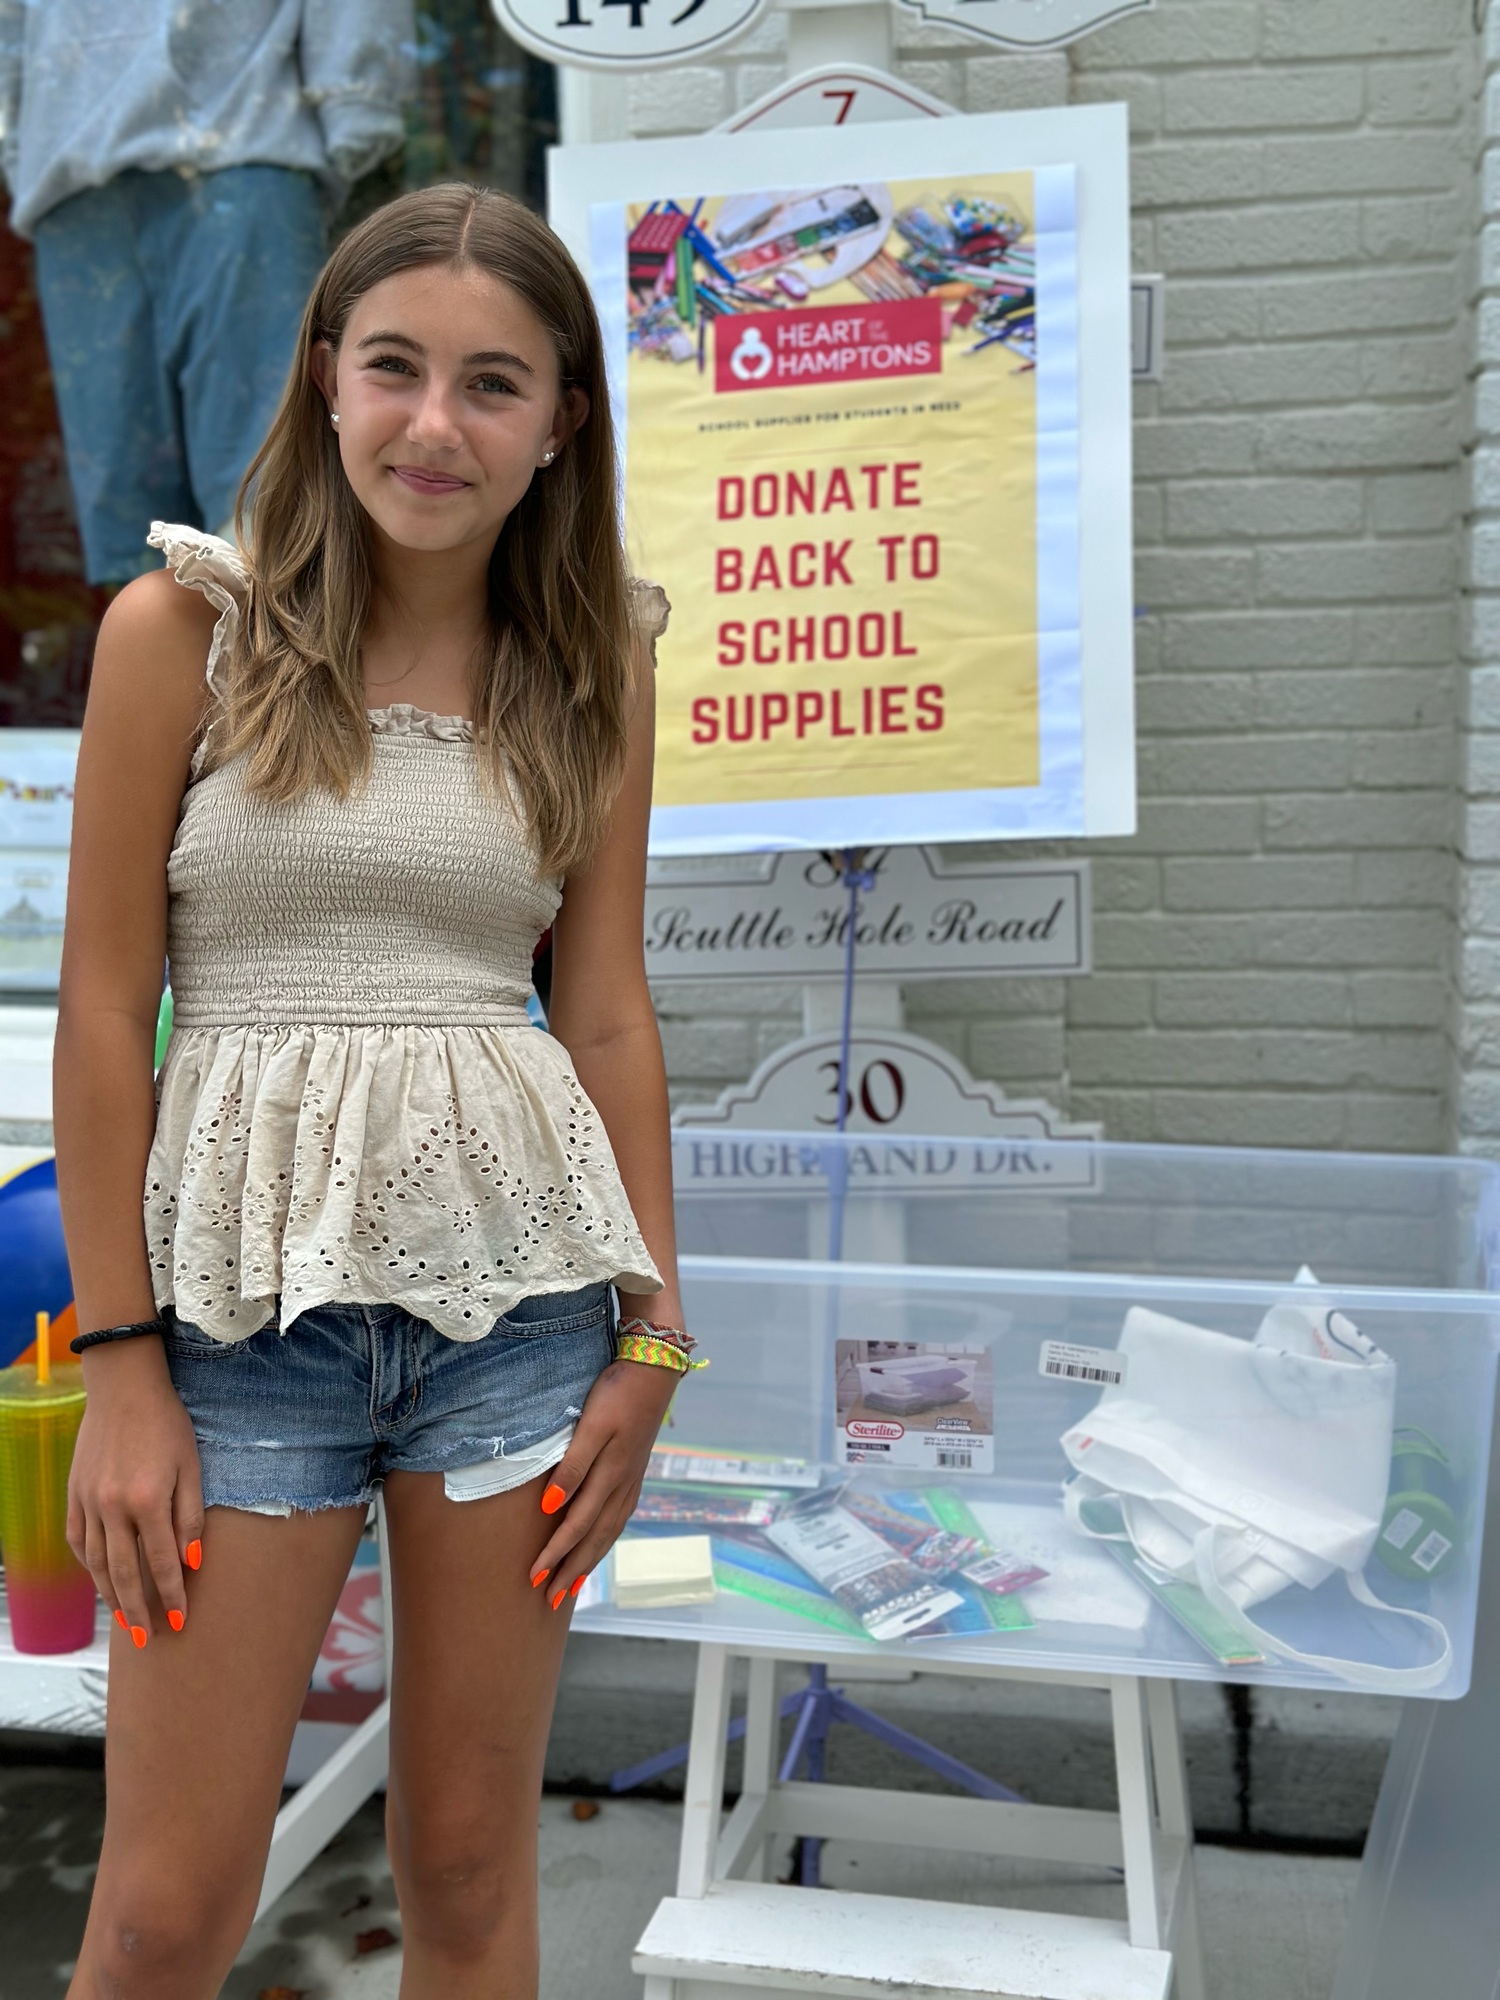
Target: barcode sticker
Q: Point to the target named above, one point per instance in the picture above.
(1430, 1552)
(1067, 1362)
(1401, 1528)
(956, 1461)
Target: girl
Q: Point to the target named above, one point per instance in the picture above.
(342, 785)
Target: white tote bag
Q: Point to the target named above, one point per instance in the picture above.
(1246, 1465)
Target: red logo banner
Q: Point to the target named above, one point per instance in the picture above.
(796, 349)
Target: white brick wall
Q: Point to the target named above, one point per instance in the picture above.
(1277, 947)
(1475, 1077)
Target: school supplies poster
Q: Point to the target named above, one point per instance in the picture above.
(851, 423)
(916, 338)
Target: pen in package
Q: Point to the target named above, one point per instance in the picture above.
(889, 1595)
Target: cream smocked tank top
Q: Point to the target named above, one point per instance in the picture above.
(354, 1106)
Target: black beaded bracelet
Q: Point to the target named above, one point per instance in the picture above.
(132, 1332)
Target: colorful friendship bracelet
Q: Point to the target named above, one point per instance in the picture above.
(656, 1346)
(655, 1353)
(677, 1335)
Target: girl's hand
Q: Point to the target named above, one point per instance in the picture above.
(135, 1495)
(595, 1488)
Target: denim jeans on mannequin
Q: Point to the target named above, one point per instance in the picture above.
(171, 304)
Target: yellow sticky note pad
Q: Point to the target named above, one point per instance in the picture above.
(652, 1572)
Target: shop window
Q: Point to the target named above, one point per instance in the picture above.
(482, 109)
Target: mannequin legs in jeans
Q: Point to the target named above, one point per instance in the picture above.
(171, 305)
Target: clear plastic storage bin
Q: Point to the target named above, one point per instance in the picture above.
(923, 1380)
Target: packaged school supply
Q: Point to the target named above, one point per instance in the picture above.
(862, 1572)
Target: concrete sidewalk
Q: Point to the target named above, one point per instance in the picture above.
(1272, 1766)
(1272, 1922)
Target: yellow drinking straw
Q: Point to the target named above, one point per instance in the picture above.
(43, 1349)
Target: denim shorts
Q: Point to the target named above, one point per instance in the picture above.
(315, 1416)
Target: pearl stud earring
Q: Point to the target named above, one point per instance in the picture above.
(334, 419)
(548, 456)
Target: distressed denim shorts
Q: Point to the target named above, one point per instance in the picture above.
(317, 1415)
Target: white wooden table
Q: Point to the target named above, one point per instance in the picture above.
(728, 1931)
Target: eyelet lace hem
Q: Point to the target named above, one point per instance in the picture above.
(450, 1170)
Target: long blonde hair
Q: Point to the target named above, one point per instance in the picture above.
(553, 698)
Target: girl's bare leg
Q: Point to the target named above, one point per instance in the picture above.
(477, 1654)
(199, 1726)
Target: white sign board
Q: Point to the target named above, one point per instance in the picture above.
(785, 916)
(1010, 628)
(837, 94)
(897, 1082)
(625, 34)
(1026, 24)
(741, 1164)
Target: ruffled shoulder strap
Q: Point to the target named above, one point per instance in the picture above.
(206, 562)
(650, 609)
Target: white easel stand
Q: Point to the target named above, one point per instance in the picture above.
(837, 31)
(728, 1932)
(594, 108)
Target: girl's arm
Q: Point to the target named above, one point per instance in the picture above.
(601, 1012)
(135, 1471)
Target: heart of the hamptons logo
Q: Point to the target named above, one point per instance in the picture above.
(1026, 24)
(821, 344)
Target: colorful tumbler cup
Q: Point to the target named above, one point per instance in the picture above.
(51, 1596)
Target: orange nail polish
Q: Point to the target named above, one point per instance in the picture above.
(552, 1499)
(176, 1620)
(139, 1634)
(195, 1555)
(558, 1599)
(121, 1620)
(577, 1585)
(540, 1578)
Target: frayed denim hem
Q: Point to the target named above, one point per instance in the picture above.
(281, 1510)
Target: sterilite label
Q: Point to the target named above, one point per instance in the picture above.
(909, 1403)
(781, 350)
